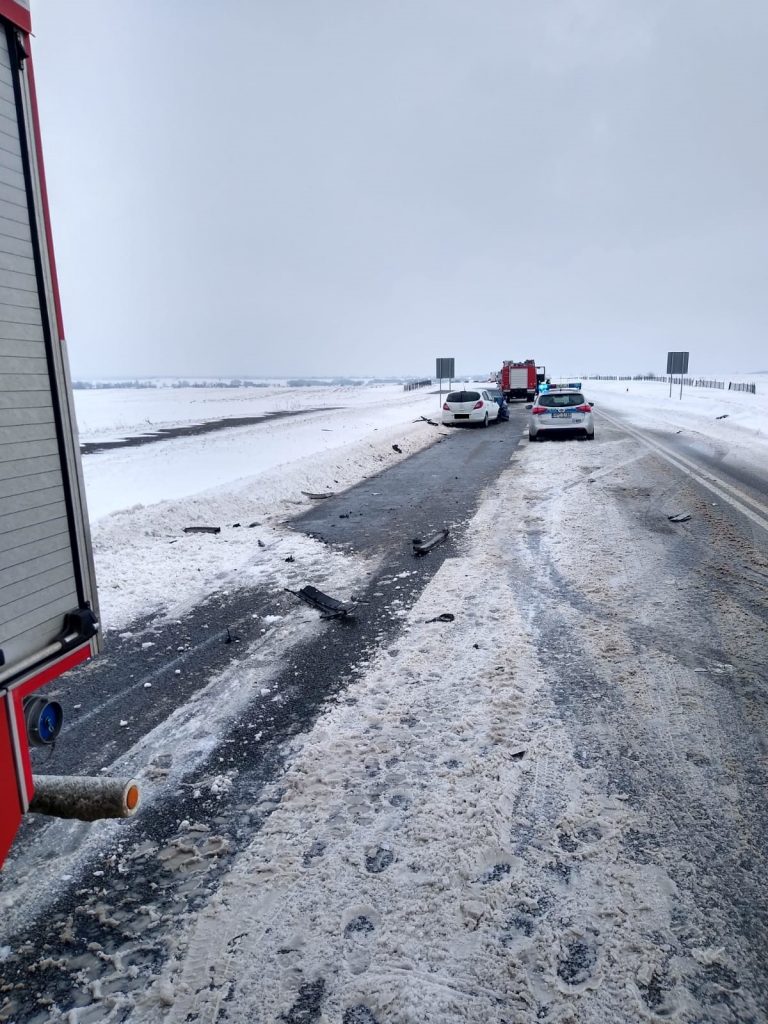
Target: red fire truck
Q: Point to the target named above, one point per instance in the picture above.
(48, 604)
(520, 379)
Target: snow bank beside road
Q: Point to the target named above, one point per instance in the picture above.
(145, 562)
(735, 418)
(180, 467)
(111, 413)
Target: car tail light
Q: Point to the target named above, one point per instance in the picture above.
(446, 407)
(478, 405)
(537, 410)
(584, 408)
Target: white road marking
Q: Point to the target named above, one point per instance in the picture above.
(734, 496)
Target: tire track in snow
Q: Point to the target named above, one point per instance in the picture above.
(624, 675)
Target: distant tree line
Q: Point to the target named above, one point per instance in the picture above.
(235, 382)
(99, 385)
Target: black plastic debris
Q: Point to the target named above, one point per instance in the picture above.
(681, 517)
(316, 496)
(230, 639)
(397, 448)
(328, 606)
(290, 558)
(202, 529)
(234, 525)
(423, 547)
(518, 755)
(445, 617)
(261, 543)
(344, 515)
(251, 525)
(723, 417)
(426, 419)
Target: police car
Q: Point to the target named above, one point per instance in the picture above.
(558, 410)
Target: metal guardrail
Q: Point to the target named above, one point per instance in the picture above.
(690, 382)
(412, 385)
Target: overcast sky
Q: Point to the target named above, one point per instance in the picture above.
(268, 187)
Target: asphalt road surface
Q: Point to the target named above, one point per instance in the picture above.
(688, 747)
(194, 429)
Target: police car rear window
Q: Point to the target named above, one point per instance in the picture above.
(550, 401)
(463, 396)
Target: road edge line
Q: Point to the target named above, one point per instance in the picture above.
(736, 498)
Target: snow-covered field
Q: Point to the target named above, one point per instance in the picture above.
(735, 418)
(176, 468)
(140, 499)
(108, 413)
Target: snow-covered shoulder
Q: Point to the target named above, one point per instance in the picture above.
(246, 481)
(736, 419)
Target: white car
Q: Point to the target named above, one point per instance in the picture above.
(474, 405)
(558, 411)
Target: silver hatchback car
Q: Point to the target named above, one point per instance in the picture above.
(558, 411)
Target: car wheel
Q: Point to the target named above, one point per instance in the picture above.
(591, 437)
(532, 437)
(485, 421)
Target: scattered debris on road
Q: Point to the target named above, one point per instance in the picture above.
(290, 558)
(330, 607)
(397, 448)
(723, 417)
(444, 617)
(261, 543)
(681, 517)
(202, 529)
(229, 639)
(251, 525)
(318, 497)
(423, 547)
(426, 419)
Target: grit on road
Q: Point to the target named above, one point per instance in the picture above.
(552, 807)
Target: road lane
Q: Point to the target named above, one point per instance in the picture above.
(651, 639)
(745, 489)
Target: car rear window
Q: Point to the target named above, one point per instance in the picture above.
(463, 396)
(493, 393)
(550, 401)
